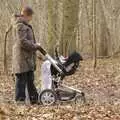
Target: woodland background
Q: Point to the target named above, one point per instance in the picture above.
(71, 24)
(90, 27)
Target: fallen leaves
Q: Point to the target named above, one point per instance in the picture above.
(102, 89)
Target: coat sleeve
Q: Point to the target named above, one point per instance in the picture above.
(22, 37)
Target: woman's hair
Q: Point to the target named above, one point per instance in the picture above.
(27, 11)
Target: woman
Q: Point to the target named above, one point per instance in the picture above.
(24, 50)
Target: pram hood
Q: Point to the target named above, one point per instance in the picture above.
(73, 58)
(69, 65)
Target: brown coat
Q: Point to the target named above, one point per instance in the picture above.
(24, 47)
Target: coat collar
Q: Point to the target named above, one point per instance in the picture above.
(21, 19)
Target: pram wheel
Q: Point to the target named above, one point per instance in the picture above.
(80, 99)
(47, 97)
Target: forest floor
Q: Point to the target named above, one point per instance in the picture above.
(102, 89)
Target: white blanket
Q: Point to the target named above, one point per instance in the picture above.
(46, 75)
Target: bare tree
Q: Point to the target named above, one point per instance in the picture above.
(94, 33)
(70, 22)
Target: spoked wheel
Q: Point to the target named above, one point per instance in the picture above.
(47, 97)
(80, 99)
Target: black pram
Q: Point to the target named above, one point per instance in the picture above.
(60, 68)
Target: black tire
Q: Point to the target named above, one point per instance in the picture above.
(80, 99)
(47, 92)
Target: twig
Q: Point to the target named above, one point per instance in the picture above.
(5, 45)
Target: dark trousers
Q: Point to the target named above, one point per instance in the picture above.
(23, 80)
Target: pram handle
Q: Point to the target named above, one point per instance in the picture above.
(42, 51)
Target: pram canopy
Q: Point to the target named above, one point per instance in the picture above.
(69, 66)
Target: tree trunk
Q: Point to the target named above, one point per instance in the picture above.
(69, 26)
(52, 25)
(94, 34)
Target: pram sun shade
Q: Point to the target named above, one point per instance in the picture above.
(69, 66)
